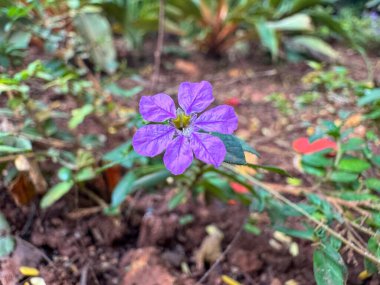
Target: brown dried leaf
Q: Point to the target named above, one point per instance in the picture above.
(22, 189)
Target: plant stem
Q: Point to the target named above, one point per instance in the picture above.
(320, 224)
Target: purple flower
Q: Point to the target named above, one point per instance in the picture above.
(181, 137)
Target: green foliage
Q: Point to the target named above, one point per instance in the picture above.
(7, 242)
(363, 28)
(217, 25)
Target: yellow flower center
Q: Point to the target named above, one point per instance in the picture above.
(181, 121)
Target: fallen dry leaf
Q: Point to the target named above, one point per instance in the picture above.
(187, 67)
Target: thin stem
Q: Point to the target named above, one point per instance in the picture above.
(332, 232)
(160, 43)
(224, 253)
(93, 196)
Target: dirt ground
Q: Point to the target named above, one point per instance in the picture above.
(146, 244)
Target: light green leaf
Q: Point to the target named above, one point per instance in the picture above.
(7, 245)
(78, 115)
(354, 165)
(312, 46)
(84, 174)
(297, 22)
(55, 193)
(116, 90)
(97, 33)
(329, 267)
(370, 96)
(373, 183)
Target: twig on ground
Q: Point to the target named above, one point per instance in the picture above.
(221, 257)
(160, 43)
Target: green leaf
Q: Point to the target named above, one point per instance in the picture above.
(329, 267)
(55, 193)
(97, 33)
(186, 219)
(354, 165)
(373, 183)
(246, 147)
(123, 189)
(353, 144)
(319, 172)
(84, 174)
(65, 174)
(78, 115)
(4, 226)
(177, 199)
(374, 248)
(268, 37)
(313, 46)
(151, 179)
(343, 177)
(307, 234)
(376, 160)
(370, 96)
(7, 245)
(116, 90)
(297, 22)
(235, 153)
(354, 196)
(269, 168)
(252, 229)
(317, 160)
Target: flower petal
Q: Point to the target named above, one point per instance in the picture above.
(151, 140)
(221, 119)
(178, 155)
(195, 97)
(157, 108)
(208, 148)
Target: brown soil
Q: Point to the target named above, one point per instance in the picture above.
(146, 244)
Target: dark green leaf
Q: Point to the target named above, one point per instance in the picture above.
(374, 248)
(235, 153)
(123, 189)
(319, 172)
(246, 147)
(317, 160)
(177, 199)
(343, 177)
(269, 168)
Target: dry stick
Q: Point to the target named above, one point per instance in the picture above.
(160, 43)
(220, 258)
(280, 197)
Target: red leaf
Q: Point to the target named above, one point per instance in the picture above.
(238, 188)
(302, 145)
(234, 102)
